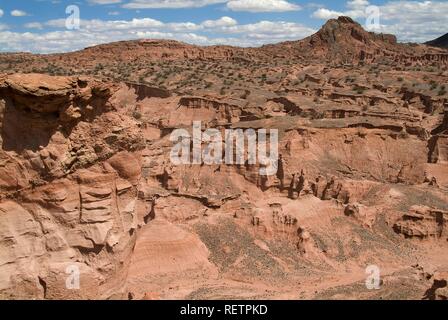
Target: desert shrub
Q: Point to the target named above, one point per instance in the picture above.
(358, 90)
(403, 135)
(433, 85)
(137, 115)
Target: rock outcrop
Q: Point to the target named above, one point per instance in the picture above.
(423, 223)
(70, 173)
(345, 41)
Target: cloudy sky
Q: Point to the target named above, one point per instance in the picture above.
(45, 26)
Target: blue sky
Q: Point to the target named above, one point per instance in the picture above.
(43, 10)
(39, 25)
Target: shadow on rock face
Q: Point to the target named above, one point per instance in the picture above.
(22, 129)
(34, 107)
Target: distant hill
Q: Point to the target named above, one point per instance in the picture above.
(441, 42)
(339, 41)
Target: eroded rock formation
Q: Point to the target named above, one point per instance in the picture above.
(88, 189)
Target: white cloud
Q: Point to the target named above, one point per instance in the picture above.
(416, 11)
(182, 26)
(18, 13)
(1, 13)
(357, 9)
(225, 30)
(223, 22)
(413, 21)
(356, 4)
(170, 4)
(98, 26)
(262, 5)
(325, 14)
(410, 20)
(34, 25)
(235, 5)
(287, 29)
(104, 1)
